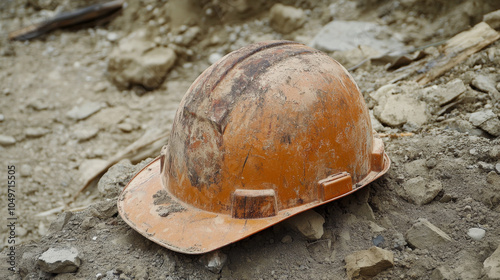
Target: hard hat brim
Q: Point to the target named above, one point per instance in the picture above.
(147, 207)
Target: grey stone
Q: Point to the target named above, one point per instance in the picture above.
(497, 167)
(25, 170)
(378, 240)
(85, 133)
(286, 19)
(450, 91)
(492, 126)
(487, 121)
(85, 110)
(419, 191)
(88, 223)
(478, 118)
(347, 35)
(59, 260)
(446, 198)
(493, 19)
(214, 261)
(6, 140)
(112, 36)
(397, 110)
(486, 84)
(376, 125)
(2, 117)
(424, 235)
(104, 209)
(126, 127)
(61, 220)
(486, 166)
(476, 233)
(368, 263)
(399, 241)
(100, 87)
(214, 57)
(38, 104)
(431, 163)
(286, 239)
(308, 223)
(117, 176)
(492, 265)
(35, 132)
(137, 61)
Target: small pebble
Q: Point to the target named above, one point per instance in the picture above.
(6, 140)
(476, 233)
(35, 132)
(112, 36)
(125, 127)
(486, 166)
(446, 198)
(2, 118)
(286, 239)
(431, 163)
(497, 167)
(378, 240)
(213, 58)
(25, 170)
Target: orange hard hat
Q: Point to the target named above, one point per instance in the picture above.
(267, 132)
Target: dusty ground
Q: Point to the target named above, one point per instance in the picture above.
(44, 79)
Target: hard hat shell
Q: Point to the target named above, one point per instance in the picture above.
(267, 132)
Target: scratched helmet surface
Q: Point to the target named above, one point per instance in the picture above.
(267, 132)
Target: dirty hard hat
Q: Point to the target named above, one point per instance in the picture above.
(267, 132)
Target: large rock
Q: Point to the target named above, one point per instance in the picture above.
(397, 110)
(419, 191)
(492, 265)
(493, 19)
(117, 176)
(443, 95)
(486, 84)
(368, 263)
(478, 118)
(348, 35)
(286, 19)
(59, 260)
(424, 235)
(137, 61)
(487, 121)
(309, 224)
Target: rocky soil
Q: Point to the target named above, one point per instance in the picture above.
(74, 98)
